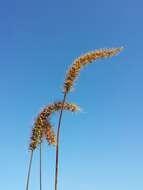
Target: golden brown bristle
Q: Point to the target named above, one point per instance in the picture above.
(49, 133)
(42, 126)
(82, 61)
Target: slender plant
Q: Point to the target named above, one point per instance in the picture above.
(71, 76)
(43, 129)
(29, 170)
(40, 166)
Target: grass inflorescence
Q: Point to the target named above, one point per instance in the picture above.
(42, 126)
(84, 60)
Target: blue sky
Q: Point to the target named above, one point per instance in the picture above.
(101, 148)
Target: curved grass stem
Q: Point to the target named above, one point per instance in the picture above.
(57, 145)
(29, 170)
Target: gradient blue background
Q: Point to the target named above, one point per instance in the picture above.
(102, 147)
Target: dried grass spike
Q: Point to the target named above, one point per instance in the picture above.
(49, 133)
(42, 126)
(82, 61)
(36, 137)
(57, 106)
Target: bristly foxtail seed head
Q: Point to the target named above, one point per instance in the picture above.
(49, 133)
(84, 60)
(42, 126)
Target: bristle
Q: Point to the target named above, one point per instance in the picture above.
(49, 133)
(36, 137)
(57, 106)
(42, 126)
(84, 60)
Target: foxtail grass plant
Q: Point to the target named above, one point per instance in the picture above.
(71, 76)
(43, 129)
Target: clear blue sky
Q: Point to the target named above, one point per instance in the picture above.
(101, 148)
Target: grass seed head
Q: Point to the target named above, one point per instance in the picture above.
(84, 60)
(42, 126)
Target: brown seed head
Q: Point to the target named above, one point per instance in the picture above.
(42, 126)
(48, 133)
(84, 60)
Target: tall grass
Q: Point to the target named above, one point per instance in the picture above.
(43, 129)
(71, 76)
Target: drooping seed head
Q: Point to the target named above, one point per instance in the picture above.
(57, 106)
(42, 126)
(48, 132)
(84, 60)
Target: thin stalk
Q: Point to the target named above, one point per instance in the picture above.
(57, 145)
(29, 170)
(41, 166)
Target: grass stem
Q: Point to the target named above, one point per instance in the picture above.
(57, 145)
(29, 170)
(41, 166)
